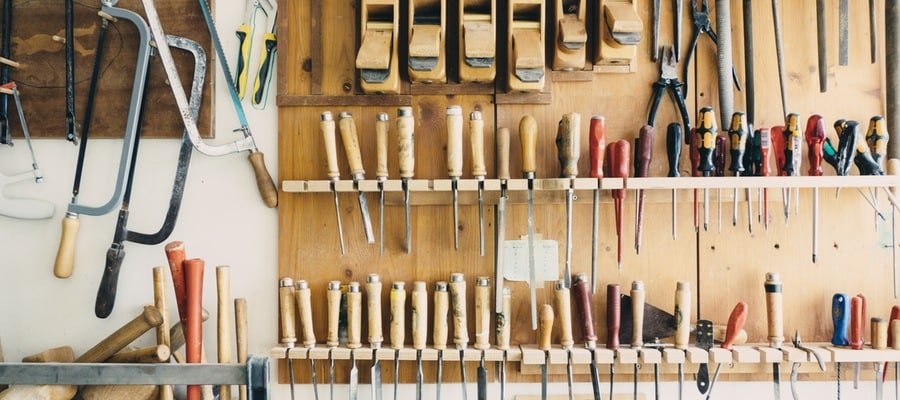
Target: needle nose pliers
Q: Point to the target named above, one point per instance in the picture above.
(668, 78)
(700, 13)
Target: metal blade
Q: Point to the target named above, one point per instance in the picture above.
(439, 373)
(776, 379)
(482, 381)
(569, 374)
(503, 377)
(500, 237)
(419, 376)
(354, 378)
(595, 379)
(595, 238)
(331, 374)
(462, 373)
(337, 213)
(844, 32)
(455, 217)
(481, 216)
(406, 205)
(544, 380)
(879, 383)
(367, 221)
(567, 277)
(532, 279)
(315, 381)
(381, 217)
(794, 372)
(290, 363)
(376, 379)
(396, 372)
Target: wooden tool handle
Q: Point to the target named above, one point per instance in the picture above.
(597, 144)
(240, 336)
(503, 321)
(735, 324)
(286, 312)
(354, 316)
(333, 297)
(613, 315)
(895, 315)
(176, 256)
(57, 354)
(638, 297)
(381, 145)
(327, 126)
(895, 332)
(856, 323)
(682, 315)
(193, 332)
(644, 152)
(441, 309)
(373, 302)
(153, 354)
(177, 334)
(568, 145)
(620, 164)
(406, 141)
(815, 138)
(350, 139)
(774, 310)
(585, 309)
(458, 310)
(482, 313)
(65, 255)
(476, 136)
(503, 153)
(545, 329)
(528, 131)
(303, 296)
(223, 292)
(879, 333)
(454, 141)
(564, 310)
(264, 182)
(419, 315)
(149, 319)
(159, 301)
(398, 315)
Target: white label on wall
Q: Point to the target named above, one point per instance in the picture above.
(546, 260)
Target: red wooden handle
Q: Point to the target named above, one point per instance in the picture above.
(644, 152)
(193, 335)
(613, 315)
(735, 324)
(777, 138)
(856, 323)
(597, 145)
(583, 302)
(895, 314)
(175, 255)
(815, 138)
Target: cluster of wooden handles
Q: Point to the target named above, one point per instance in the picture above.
(350, 140)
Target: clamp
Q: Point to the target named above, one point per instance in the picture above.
(668, 78)
(700, 14)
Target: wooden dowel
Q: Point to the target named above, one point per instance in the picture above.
(223, 294)
(152, 354)
(149, 319)
(240, 335)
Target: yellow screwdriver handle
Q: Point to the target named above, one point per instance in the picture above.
(264, 75)
(244, 34)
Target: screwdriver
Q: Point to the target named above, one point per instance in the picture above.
(752, 159)
(765, 144)
(564, 310)
(381, 171)
(407, 150)
(840, 317)
(613, 321)
(326, 124)
(643, 153)
(476, 136)
(546, 329)
(597, 144)
(350, 140)
(439, 338)
(398, 327)
(528, 139)
(568, 147)
(454, 162)
(419, 329)
(695, 172)
(877, 138)
(815, 138)
(857, 330)
(618, 157)
(792, 153)
(460, 324)
(777, 138)
(719, 161)
(583, 304)
(674, 136)
(705, 143)
(738, 138)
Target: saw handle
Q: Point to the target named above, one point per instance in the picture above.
(613, 315)
(815, 138)
(840, 318)
(373, 305)
(333, 299)
(350, 141)
(583, 303)
(263, 180)
(476, 137)
(419, 315)
(568, 146)
(528, 130)
(597, 144)
(65, 254)
(674, 137)
(545, 328)
(503, 153)
(736, 322)
(109, 281)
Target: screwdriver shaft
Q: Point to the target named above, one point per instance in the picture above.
(749, 210)
(337, 213)
(570, 193)
(481, 215)
(406, 206)
(455, 190)
(705, 210)
(381, 216)
(815, 227)
(734, 207)
(674, 214)
(595, 233)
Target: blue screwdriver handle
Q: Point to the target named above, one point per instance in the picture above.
(840, 315)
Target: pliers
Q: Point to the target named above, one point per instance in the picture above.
(795, 368)
(700, 13)
(668, 78)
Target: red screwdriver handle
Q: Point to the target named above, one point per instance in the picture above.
(597, 145)
(777, 139)
(765, 148)
(735, 324)
(644, 151)
(620, 163)
(856, 323)
(613, 315)
(815, 140)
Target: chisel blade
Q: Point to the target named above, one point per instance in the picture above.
(482, 380)
(354, 378)
(500, 238)
(595, 378)
(419, 375)
(315, 380)
(532, 279)
(376, 379)
(366, 219)
(481, 217)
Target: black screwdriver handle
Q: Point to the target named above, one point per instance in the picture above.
(674, 138)
(706, 139)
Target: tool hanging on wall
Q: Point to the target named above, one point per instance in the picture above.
(303, 298)
(844, 32)
(725, 63)
(705, 144)
(245, 33)
(106, 294)
(266, 63)
(407, 149)
(674, 139)
(5, 53)
(420, 329)
(477, 42)
(65, 256)
(638, 297)
(381, 171)
(793, 142)
(568, 148)
(545, 333)
(439, 332)
(398, 326)
(564, 310)
(719, 162)
(525, 54)
(643, 153)
(613, 321)
(779, 53)
(460, 324)
(333, 299)
(455, 162)
(350, 140)
(738, 148)
(597, 144)
(682, 326)
(570, 45)
(822, 45)
(427, 41)
(22, 208)
(704, 342)
(500, 235)
(775, 316)
(668, 79)
(795, 369)
(840, 318)
(528, 139)
(585, 310)
(735, 325)
(815, 139)
(69, 45)
(700, 14)
(476, 137)
(618, 159)
(354, 334)
(377, 59)
(482, 331)
(503, 334)
(288, 324)
(327, 126)
(376, 335)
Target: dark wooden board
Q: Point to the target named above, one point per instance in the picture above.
(41, 79)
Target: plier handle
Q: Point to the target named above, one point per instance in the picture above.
(668, 79)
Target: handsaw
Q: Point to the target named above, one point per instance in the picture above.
(659, 324)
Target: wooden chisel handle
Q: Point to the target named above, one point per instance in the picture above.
(333, 298)
(381, 145)
(373, 303)
(503, 153)
(528, 130)
(354, 316)
(350, 140)
(613, 315)
(405, 140)
(564, 309)
(419, 315)
(264, 182)
(327, 126)
(597, 145)
(735, 324)
(240, 336)
(545, 328)
(482, 313)
(303, 297)
(441, 310)
(774, 310)
(476, 136)
(148, 319)
(286, 312)
(638, 297)
(65, 254)
(176, 256)
(458, 310)
(454, 141)
(879, 332)
(503, 321)
(583, 302)
(682, 314)
(398, 315)
(568, 145)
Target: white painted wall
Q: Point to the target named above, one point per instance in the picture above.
(222, 220)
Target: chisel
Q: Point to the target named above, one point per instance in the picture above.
(482, 329)
(405, 140)
(638, 295)
(840, 318)
(568, 147)
(619, 155)
(398, 328)
(643, 153)
(354, 334)
(682, 326)
(736, 322)
(288, 326)
(815, 138)
(350, 140)
(857, 330)
(441, 309)
(564, 310)
(674, 137)
(455, 162)
(583, 303)
(333, 299)
(500, 236)
(546, 329)
(737, 135)
(597, 144)
(303, 297)
(476, 136)
(705, 140)
(528, 139)
(719, 152)
(327, 126)
(376, 335)
(381, 171)
(419, 329)
(460, 324)
(613, 321)
(503, 334)
(775, 317)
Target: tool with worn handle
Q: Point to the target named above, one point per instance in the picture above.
(682, 325)
(544, 336)
(460, 323)
(674, 138)
(419, 329)
(327, 126)
(638, 296)
(737, 139)
(597, 150)
(719, 156)
(303, 296)
(775, 317)
(439, 339)
(528, 139)
(618, 157)
(568, 150)
(503, 335)
(333, 301)
(613, 322)
(350, 140)
(643, 153)
(815, 140)
(376, 335)
(705, 140)
(381, 170)
(405, 141)
(476, 136)
(193, 334)
(857, 330)
(840, 318)
(482, 330)
(736, 322)
(583, 303)
(287, 321)
(354, 333)
(398, 327)
(455, 162)
(500, 235)
(564, 310)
